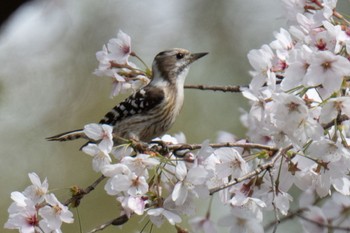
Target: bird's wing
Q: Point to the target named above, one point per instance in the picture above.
(138, 103)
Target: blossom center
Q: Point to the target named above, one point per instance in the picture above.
(292, 107)
(57, 209)
(321, 44)
(338, 105)
(32, 220)
(326, 65)
(135, 182)
(126, 49)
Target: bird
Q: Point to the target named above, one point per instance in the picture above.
(151, 111)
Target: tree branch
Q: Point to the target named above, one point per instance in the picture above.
(178, 147)
(228, 88)
(339, 120)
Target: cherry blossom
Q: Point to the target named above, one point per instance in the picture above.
(333, 107)
(120, 178)
(120, 48)
(100, 133)
(328, 70)
(140, 164)
(37, 191)
(191, 181)
(158, 215)
(23, 214)
(55, 213)
(100, 156)
(244, 219)
(105, 66)
(230, 163)
(261, 60)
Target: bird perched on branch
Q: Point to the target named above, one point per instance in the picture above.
(152, 110)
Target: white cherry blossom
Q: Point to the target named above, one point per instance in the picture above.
(101, 133)
(120, 48)
(100, 156)
(191, 181)
(55, 213)
(37, 191)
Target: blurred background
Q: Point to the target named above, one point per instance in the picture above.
(47, 56)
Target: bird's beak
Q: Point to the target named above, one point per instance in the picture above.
(196, 56)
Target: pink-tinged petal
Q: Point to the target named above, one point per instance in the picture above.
(119, 48)
(137, 204)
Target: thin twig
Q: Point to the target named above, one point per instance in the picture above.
(75, 199)
(178, 147)
(228, 88)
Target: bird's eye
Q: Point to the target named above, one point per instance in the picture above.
(180, 56)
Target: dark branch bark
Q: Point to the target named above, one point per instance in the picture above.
(215, 88)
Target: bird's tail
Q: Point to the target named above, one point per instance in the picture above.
(68, 136)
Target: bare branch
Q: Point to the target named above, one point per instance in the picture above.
(215, 88)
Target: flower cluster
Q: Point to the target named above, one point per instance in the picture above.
(37, 210)
(162, 186)
(114, 63)
(299, 101)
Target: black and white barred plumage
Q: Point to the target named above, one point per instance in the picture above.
(152, 110)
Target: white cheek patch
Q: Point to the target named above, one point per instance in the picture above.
(181, 63)
(181, 77)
